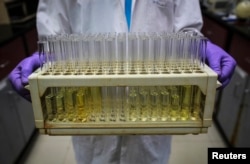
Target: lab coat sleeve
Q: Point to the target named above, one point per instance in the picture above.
(52, 17)
(187, 16)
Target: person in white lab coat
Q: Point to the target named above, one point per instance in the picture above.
(95, 16)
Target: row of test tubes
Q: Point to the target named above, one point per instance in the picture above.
(122, 53)
(124, 104)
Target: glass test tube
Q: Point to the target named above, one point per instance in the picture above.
(187, 57)
(75, 53)
(60, 105)
(154, 103)
(67, 55)
(175, 103)
(105, 104)
(162, 54)
(140, 63)
(156, 54)
(181, 52)
(51, 54)
(69, 103)
(98, 48)
(85, 54)
(109, 54)
(146, 55)
(121, 53)
(112, 94)
(197, 104)
(203, 51)
(144, 102)
(96, 102)
(133, 103)
(41, 51)
(50, 107)
(168, 51)
(132, 53)
(81, 105)
(93, 58)
(165, 103)
(120, 103)
(187, 95)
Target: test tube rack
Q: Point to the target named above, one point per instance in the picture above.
(41, 81)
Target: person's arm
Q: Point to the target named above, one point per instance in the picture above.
(51, 19)
(188, 17)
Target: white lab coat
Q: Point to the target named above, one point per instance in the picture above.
(80, 16)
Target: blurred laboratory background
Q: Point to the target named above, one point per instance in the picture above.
(226, 23)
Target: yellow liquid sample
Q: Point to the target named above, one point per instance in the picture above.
(175, 104)
(197, 105)
(154, 101)
(60, 107)
(165, 104)
(186, 102)
(96, 102)
(133, 110)
(49, 103)
(144, 105)
(82, 112)
(69, 104)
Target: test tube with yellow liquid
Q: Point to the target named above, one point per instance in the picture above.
(187, 95)
(154, 103)
(50, 107)
(144, 103)
(69, 104)
(197, 104)
(81, 105)
(60, 113)
(133, 104)
(112, 106)
(175, 103)
(121, 103)
(96, 102)
(165, 103)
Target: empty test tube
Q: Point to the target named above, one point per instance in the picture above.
(146, 55)
(111, 103)
(132, 53)
(121, 53)
(156, 41)
(110, 53)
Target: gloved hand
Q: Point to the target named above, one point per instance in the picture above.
(19, 75)
(221, 62)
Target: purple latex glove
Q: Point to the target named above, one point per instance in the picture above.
(19, 75)
(221, 62)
